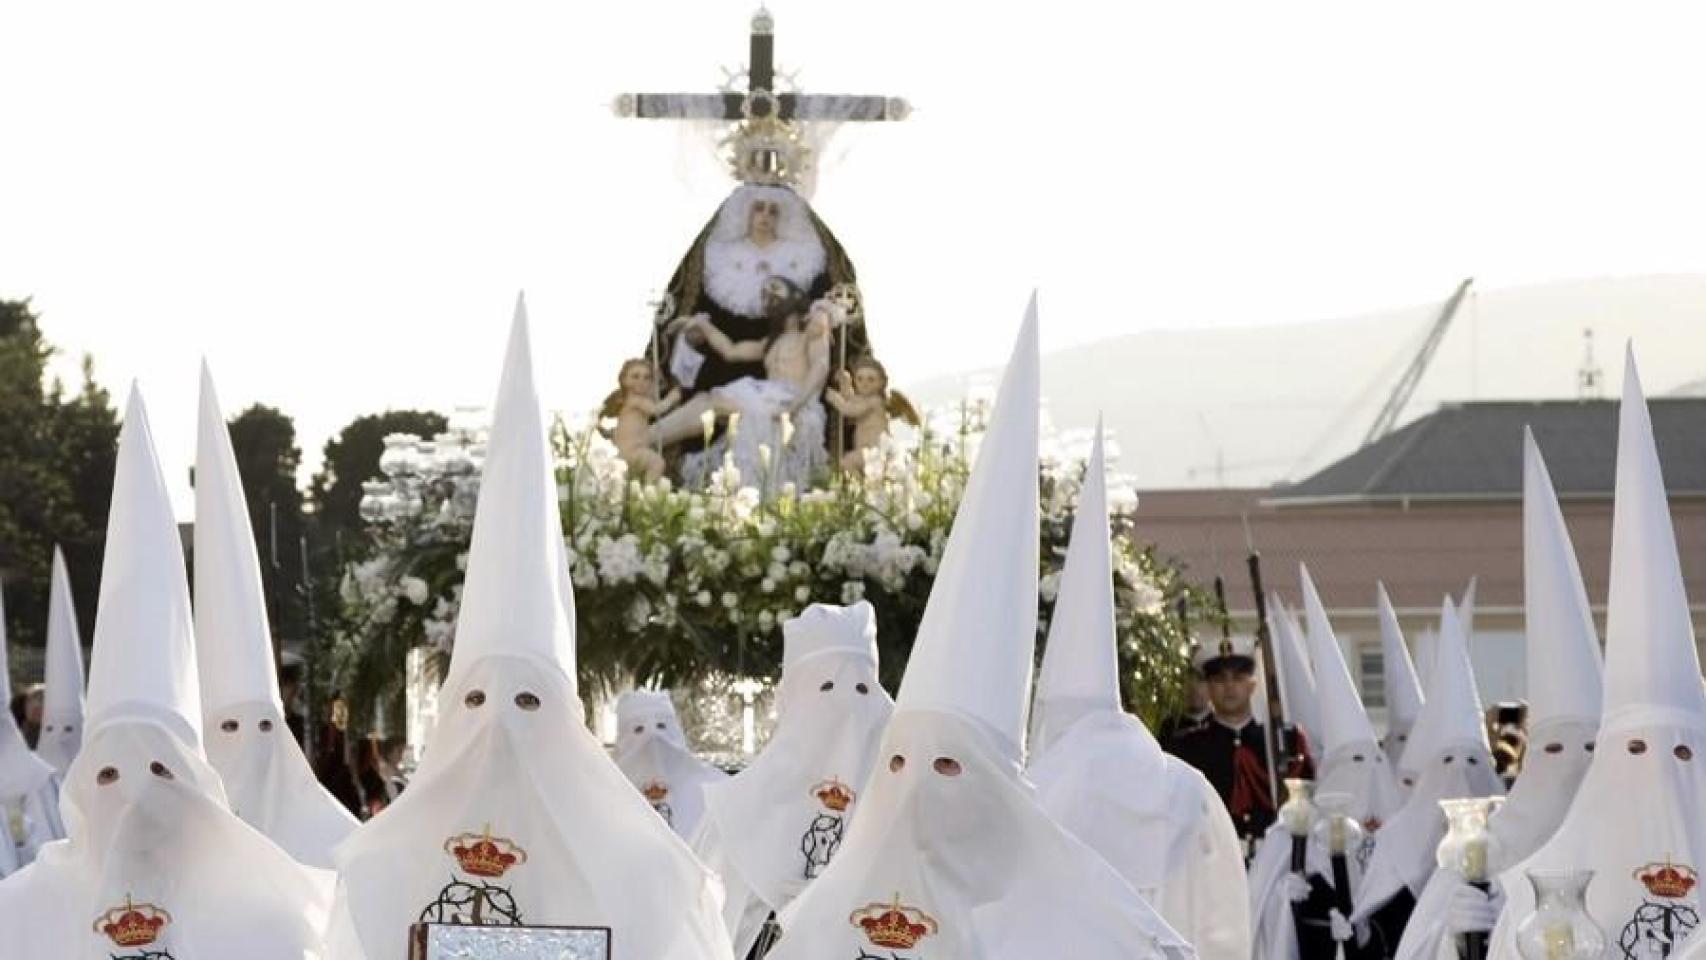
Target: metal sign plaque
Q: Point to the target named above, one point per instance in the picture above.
(454, 941)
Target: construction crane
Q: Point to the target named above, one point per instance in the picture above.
(1387, 419)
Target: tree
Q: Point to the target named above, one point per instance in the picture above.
(264, 442)
(351, 458)
(55, 477)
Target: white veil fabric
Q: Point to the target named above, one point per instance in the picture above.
(736, 268)
(1565, 671)
(156, 865)
(1100, 773)
(1451, 728)
(28, 785)
(267, 779)
(1351, 764)
(1636, 820)
(952, 857)
(773, 828)
(1564, 680)
(651, 750)
(62, 701)
(517, 814)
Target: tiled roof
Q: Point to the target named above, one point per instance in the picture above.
(1474, 451)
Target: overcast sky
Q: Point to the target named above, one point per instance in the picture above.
(336, 202)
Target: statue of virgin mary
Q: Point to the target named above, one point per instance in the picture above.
(759, 232)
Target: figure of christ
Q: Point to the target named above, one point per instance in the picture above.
(795, 358)
(863, 396)
(759, 232)
(633, 405)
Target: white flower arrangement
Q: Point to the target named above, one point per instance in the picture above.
(680, 587)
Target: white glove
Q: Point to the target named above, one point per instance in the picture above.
(1297, 889)
(1342, 929)
(1474, 911)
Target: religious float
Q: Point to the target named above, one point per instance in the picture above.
(753, 459)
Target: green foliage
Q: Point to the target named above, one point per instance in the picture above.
(264, 442)
(55, 477)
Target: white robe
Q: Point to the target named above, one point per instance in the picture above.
(1633, 811)
(586, 849)
(1536, 805)
(968, 861)
(774, 827)
(1156, 820)
(651, 750)
(270, 784)
(170, 844)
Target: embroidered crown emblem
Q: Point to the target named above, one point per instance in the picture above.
(834, 794)
(132, 925)
(893, 925)
(1669, 880)
(656, 791)
(484, 855)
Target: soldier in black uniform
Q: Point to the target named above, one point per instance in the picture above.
(1228, 747)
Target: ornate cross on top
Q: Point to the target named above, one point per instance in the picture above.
(767, 146)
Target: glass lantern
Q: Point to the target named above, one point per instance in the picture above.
(1468, 848)
(1560, 927)
(1298, 811)
(1336, 828)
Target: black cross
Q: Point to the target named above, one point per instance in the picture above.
(761, 101)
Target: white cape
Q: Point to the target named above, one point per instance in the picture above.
(652, 752)
(270, 784)
(170, 845)
(774, 827)
(975, 846)
(1156, 820)
(535, 784)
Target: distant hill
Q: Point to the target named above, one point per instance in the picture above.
(1255, 405)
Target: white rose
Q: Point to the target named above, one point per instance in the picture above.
(730, 601)
(802, 594)
(703, 598)
(415, 589)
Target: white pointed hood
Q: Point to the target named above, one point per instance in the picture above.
(1352, 762)
(144, 665)
(515, 602)
(1403, 691)
(1638, 807)
(1564, 670)
(1100, 773)
(1655, 669)
(1080, 672)
(652, 750)
(147, 817)
(923, 844)
(235, 656)
(1452, 715)
(773, 828)
(267, 779)
(1298, 702)
(973, 653)
(511, 762)
(62, 702)
(1449, 750)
